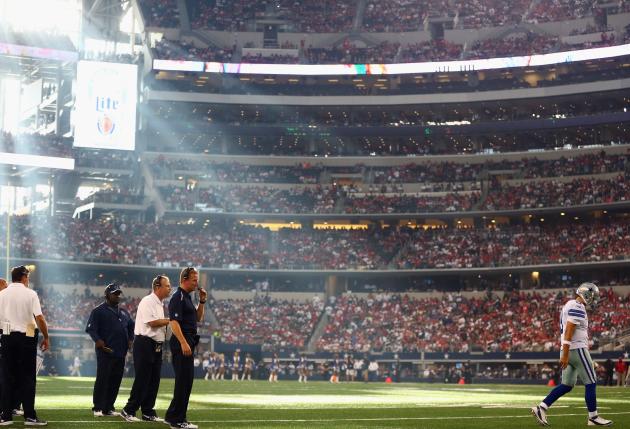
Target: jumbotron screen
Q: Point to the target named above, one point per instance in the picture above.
(105, 109)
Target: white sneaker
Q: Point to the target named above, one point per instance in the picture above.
(129, 417)
(183, 425)
(98, 414)
(541, 415)
(598, 421)
(152, 419)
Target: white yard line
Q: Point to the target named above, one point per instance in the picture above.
(376, 419)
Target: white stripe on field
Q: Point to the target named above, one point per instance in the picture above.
(375, 419)
(404, 406)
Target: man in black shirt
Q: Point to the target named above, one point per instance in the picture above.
(609, 366)
(184, 317)
(111, 328)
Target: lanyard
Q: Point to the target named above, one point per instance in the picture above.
(115, 311)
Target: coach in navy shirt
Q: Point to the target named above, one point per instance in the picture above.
(111, 328)
(184, 317)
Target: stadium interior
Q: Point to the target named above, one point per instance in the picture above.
(414, 182)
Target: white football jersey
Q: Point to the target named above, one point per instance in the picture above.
(575, 313)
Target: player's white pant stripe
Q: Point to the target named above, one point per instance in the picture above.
(590, 367)
(585, 365)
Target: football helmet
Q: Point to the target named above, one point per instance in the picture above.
(589, 292)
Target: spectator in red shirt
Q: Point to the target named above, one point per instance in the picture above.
(620, 369)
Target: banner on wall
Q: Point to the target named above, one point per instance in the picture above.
(394, 69)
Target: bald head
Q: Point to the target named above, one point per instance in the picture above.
(3, 284)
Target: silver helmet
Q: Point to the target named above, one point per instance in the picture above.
(589, 292)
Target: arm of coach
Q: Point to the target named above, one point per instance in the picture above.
(41, 322)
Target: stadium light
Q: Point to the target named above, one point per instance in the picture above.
(55, 16)
(10, 105)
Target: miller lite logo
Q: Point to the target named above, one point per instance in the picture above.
(106, 108)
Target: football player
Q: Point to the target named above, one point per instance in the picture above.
(575, 359)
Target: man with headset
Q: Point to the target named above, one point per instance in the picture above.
(16, 409)
(111, 328)
(150, 332)
(184, 317)
(20, 313)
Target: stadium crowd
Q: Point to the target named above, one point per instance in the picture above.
(554, 193)
(560, 10)
(123, 193)
(382, 321)
(399, 15)
(269, 59)
(399, 116)
(385, 52)
(434, 50)
(249, 199)
(393, 16)
(350, 53)
(429, 172)
(70, 310)
(35, 144)
(573, 166)
(233, 245)
(388, 196)
(181, 50)
(441, 172)
(234, 172)
(345, 249)
(273, 323)
(491, 13)
(516, 245)
(107, 159)
(527, 44)
(160, 13)
(410, 203)
(325, 16)
(392, 322)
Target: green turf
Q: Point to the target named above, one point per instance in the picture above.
(66, 402)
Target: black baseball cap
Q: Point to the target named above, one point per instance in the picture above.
(113, 288)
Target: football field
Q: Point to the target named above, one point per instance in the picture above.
(65, 403)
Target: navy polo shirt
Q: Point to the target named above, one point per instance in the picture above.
(182, 309)
(114, 326)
